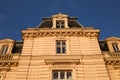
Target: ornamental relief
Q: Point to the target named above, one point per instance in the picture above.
(59, 34)
(2, 75)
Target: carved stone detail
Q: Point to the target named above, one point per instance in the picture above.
(113, 62)
(63, 34)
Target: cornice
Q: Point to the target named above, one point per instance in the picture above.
(34, 33)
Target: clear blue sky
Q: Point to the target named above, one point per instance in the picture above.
(16, 15)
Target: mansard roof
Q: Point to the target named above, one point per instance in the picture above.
(17, 48)
(48, 23)
(103, 45)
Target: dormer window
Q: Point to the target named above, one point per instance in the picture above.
(115, 47)
(4, 49)
(60, 24)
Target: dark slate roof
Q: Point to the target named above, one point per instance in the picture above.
(103, 46)
(17, 48)
(47, 23)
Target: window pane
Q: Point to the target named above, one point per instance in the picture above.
(57, 25)
(58, 43)
(62, 75)
(69, 75)
(55, 75)
(63, 43)
(58, 50)
(63, 49)
(62, 26)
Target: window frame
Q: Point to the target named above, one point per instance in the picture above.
(4, 49)
(62, 74)
(60, 24)
(60, 46)
(115, 47)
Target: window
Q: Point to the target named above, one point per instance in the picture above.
(60, 24)
(60, 47)
(4, 49)
(115, 47)
(62, 75)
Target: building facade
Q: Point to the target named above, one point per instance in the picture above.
(60, 48)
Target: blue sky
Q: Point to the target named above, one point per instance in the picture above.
(16, 15)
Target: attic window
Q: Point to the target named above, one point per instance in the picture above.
(4, 49)
(115, 47)
(60, 24)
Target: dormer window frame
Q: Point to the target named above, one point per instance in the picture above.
(4, 49)
(63, 21)
(115, 47)
(60, 24)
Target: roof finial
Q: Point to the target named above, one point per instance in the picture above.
(59, 12)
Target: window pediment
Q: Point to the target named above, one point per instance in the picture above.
(60, 16)
(113, 39)
(7, 40)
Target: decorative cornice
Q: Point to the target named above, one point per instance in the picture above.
(30, 34)
(112, 62)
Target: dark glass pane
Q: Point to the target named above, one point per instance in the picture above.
(62, 26)
(58, 50)
(63, 50)
(62, 75)
(57, 25)
(58, 42)
(69, 75)
(55, 75)
(63, 43)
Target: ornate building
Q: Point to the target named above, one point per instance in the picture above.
(60, 48)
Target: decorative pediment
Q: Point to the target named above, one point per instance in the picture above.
(113, 39)
(7, 40)
(60, 16)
